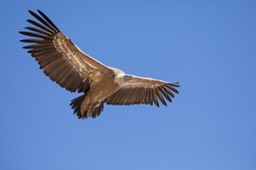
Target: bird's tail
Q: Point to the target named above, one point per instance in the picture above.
(90, 111)
(76, 105)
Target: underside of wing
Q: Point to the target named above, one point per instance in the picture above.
(140, 90)
(59, 58)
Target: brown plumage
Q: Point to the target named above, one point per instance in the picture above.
(71, 68)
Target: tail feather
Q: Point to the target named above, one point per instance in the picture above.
(89, 112)
(76, 104)
(97, 110)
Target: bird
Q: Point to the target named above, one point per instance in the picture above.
(64, 63)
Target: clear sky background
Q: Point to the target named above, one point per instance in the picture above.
(208, 46)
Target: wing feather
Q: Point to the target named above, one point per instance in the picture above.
(146, 99)
(40, 26)
(31, 34)
(165, 94)
(138, 90)
(155, 100)
(159, 95)
(139, 95)
(42, 32)
(168, 91)
(57, 55)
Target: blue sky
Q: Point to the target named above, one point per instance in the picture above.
(208, 46)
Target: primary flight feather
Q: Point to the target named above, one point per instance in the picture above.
(75, 70)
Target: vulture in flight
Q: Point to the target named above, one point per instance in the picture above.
(76, 71)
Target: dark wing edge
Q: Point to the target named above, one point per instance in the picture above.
(59, 58)
(144, 91)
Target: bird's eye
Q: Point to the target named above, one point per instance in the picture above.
(127, 77)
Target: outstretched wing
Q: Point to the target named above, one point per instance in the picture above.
(138, 90)
(56, 54)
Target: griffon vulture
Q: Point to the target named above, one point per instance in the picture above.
(75, 70)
